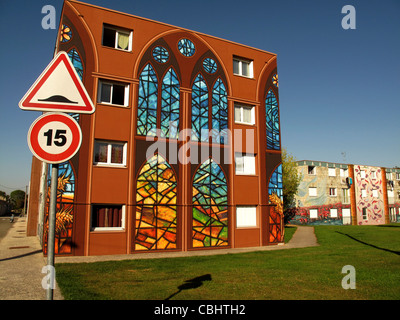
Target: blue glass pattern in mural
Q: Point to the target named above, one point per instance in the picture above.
(275, 183)
(272, 121)
(219, 113)
(170, 105)
(200, 109)
(210, 65)
(65, 34)
(76, 61)
(147, 102)
(160, 54)
(186, 47)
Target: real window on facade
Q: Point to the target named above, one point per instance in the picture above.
(375, 193)
(363, 193)
(244, 114)
(345, 193)
(108, 217)
(332, 172)
(313, 213)
(311, 170)
(245, 164)
(246, 216)
(312, 192)
(243, 67)
(364, 214)
(110, 153)
(333, 213)
(114, 93)
(332, 192)
(117, 38)
(362, 174)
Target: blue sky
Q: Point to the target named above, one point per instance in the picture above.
(339, 89)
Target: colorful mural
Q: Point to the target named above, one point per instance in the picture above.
(64, 209)
(272, 121)
(275, 190)
(369, 195)
(156, 211)
(324, 215)
(210, 206)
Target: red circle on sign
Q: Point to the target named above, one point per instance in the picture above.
(39, 152)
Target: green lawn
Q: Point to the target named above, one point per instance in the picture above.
(307, 273)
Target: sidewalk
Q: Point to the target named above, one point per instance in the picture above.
(22, 260)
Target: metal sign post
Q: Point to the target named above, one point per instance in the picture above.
(52, 229)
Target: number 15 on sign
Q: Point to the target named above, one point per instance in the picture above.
(54, 138)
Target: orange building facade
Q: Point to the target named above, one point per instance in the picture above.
(183, 151)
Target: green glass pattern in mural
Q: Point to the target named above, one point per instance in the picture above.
(156, 211)
(210, 206)
(219, 113)
(272, 121)
(200, 109)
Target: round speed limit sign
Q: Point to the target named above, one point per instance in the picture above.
(54, 137)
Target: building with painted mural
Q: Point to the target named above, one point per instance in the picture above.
(334, 193)
(163, 93)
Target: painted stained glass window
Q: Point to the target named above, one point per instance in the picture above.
(170, 105)
(210, 206)
(200, 109)
(210, 65)
(156, 211)
(186, 47)
(219, 113)
(275, 80)
(275, 183)
(76, 61)
(272, 121)
(160, 54)
(66, 33)
(147, 106)
(275, 188)
(64, 209)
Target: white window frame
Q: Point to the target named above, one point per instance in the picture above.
(313, 213)
(390, 193)
(333, 213)
(252, 111)
(397, 175)
(240, 62)
(363, 193)
(344, 173)
(118, 31)
(373, 174)
(312, 192)
(246, 217)
(334, 192)
(332, 172)
(248, 162)
(108, 228)
(112, 83)
(364, 214)
(346, 195)
(362, 174)
(109, 153)
(375, 193)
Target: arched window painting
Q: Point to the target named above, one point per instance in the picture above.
(156, 211)
(210, 206)
(170, 105)
(76, 62)
(64, 209)
(147, 106)
(200, 109)
(275, 190)
(272, 121)
(219, 113)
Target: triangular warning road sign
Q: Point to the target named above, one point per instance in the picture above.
(58, 88)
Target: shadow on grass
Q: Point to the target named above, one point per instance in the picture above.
(191, 284)
(368, 244)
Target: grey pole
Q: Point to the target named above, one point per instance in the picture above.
(51, 232)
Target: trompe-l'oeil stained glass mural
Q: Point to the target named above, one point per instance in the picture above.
(156, 211)
(275, 190)
(148, 104)
(64, 209)
(272, 121)
(210, 206)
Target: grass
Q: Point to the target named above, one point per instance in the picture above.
(305, 273)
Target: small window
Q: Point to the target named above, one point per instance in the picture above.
(312, 170)
(375, 193)
(243, 67)
(108, 217)
(312, 192)
(332, 192)
(115, 93)
(390, 193)
(332, 172)
(245, 164)
(244, 114)
(333, 213)
(117, 38)
(373, 174)
(344, 173)
(345, 193)
(364, 214)
(363, 193)
(110, 153)
(313, 213)
(397, 175)
(246, 217)
(362, 174)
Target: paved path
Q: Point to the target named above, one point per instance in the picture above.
(22, 260)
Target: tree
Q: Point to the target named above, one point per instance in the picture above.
(17, 199)
(290, 180)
